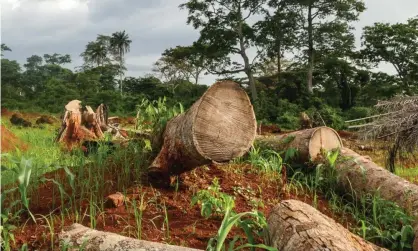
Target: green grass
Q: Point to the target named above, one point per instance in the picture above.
(408, 173)
(125, 165)
(42, 151)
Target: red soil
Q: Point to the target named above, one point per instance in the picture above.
(30, 116)
(186, 226)
(268, 129)
(5, 112)
(9, 141)
(347, 134)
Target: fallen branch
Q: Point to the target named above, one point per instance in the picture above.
(370, 117)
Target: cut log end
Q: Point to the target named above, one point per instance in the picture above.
(323, 138)
(218, 127)
(225, 124)
(309, 142)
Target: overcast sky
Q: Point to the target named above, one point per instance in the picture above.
(31, 27)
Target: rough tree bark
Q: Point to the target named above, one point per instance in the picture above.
(218, 127)
(362, 175)
(80, 236)
(294, 225)
(310, 48)
(72, 133)
(80, 125)
(308, 142)
(242, 51)
(102, 116)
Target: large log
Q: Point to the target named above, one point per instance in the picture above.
(308, 142)
(362, 175)
(218, 127)
(78, 236)
(355, 172)
(294, 225)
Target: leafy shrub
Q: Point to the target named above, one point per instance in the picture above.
(288, 116)
(330, 115)
(153, 115)
(358, 112)
(212, 200)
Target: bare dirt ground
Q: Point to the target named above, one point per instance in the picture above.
(186, 225)
(9, 141)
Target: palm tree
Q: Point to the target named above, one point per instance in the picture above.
(96, 53)
(4, 47)
(120, 44)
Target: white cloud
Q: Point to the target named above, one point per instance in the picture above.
(65, 26)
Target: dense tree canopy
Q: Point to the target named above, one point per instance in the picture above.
(305, 60)
(396, 44)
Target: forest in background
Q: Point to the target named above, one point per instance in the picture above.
(306, 61)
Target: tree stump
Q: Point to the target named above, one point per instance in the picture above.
(305, 121)
(78, 125)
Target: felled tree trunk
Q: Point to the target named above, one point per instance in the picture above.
(218, 127)
(308, 142)
(294, 225)
(355, 172)
(78, 236)
(362, 175)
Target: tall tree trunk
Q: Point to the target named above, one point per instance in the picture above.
(310, 49)
(252, 85)
(247, 65)
(248, 70)
(279, 61)
(197, 76)
(279, 48)
(121, 74)
(345, 91)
